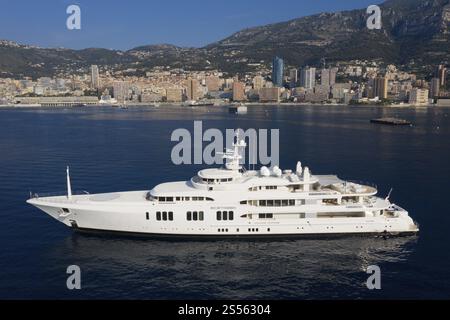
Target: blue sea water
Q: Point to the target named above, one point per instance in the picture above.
(117, 150)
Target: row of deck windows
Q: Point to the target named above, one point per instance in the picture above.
(273, 203)
(164, 216)
(195, 216)
(263, 188)
(173, 199)
(210, 181)
(237, 230)
(225, 215)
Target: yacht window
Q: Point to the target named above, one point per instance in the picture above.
(277, 203)
(292, 202)
(186, 198)
(158, 216)
(178, 198)
(244, 202)
(231, 215)
(223, 180)
(195, 216)
(170, 216)
(65, 210)
(201, 198)
(201, 216)
(164, 216)
(270, 203)
(225, 215)
(169, 199)
(269, 215)
(262, 203)
(162, 199)
(147, 216)
(209, 199)
(188, 216)
(219, 216)
(285, 203)
(194, 198)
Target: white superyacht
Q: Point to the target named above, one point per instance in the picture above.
(233, 202)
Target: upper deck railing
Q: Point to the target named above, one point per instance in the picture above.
(35, 195)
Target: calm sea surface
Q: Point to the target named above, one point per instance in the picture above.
(118, 150)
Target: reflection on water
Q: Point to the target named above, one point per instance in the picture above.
(230, 269)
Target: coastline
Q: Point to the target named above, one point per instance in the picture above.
(248, 104)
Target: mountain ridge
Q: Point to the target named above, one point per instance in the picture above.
(414, 33)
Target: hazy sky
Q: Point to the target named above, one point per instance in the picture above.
(127, 24)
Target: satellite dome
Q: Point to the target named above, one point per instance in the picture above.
(265, 172)
(277, 171)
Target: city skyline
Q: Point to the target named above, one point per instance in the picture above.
(128, 25)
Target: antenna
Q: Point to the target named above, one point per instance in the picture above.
(389, 194)
(69, 187)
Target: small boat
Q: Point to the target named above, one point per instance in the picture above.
(237, 109)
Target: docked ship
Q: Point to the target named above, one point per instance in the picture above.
(234, 202)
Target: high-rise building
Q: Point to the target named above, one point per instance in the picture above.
(435, 86)
(192, 89)
(380, 87)
(293, 78)
(238, 91)
(325, 77)
(308, 78)
(333, 73)
(277, 72)
(212, 83)
(442, 74)
(418, 96)
(258, 82)
(95, 77)
(121, 90)
(328, 77)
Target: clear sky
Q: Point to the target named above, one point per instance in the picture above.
(121, 24)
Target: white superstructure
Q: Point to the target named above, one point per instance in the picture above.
(233, 202)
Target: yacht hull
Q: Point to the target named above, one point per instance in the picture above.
(141, 220)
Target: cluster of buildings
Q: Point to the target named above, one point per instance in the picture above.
(345, 83)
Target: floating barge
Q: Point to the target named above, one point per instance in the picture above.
(391, 121)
